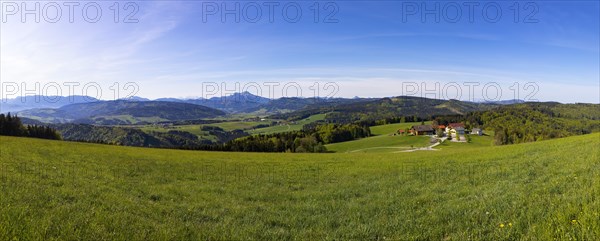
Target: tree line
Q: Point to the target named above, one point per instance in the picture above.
(305, 140)
(310, 139)
(11, 125)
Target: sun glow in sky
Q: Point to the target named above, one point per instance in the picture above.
(367, 48)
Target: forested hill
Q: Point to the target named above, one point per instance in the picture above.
(286, 105)
(135, 137)
(122, 112)
(533, 121)
(385, 108)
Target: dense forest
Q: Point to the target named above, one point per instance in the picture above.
(12, 126)
(534, 122)
(135, 137)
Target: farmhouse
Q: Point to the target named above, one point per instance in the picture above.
(453, 126)
(457, 128)
(422, 130)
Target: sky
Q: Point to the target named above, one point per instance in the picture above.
(536, 51)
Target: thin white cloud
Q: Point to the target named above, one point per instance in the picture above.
(80, 51)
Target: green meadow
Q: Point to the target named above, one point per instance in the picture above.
(383, 140)
(197, 129)
(382, 143)
(393, 128)
(55, 190)
(248, 126)
(296, 126)
(238, 125)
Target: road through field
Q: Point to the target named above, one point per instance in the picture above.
(428, 148)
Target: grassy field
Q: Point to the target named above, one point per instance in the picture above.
(227, 126)
(392, 128)
(52, 190)
(476, 141)
(383, 141)
(238, 125)
(197, 129)
(291, 127)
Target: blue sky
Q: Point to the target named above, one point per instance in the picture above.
(372, 49)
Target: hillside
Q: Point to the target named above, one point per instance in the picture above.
(534, 121)
(286, 105)
(122, 112)
(125, 136)
(545, 190)
(377, 109)
(166, 138)
(285, 127)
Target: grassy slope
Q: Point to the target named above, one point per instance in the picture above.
(392, 128)
(476, 141)
(62, 190)
(196, 129)
(383, 141)
(291, 127)
(241, 125)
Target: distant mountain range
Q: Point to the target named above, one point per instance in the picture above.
(39, 101)
(137, 110)
(237, 102)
